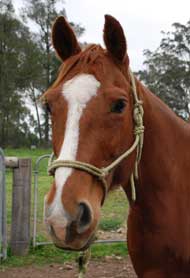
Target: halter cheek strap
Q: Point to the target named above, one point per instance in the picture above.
(102, 173)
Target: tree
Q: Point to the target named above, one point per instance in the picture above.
(27, 68)
(14, 39)
(168, 69)
(43, 13)
(34, 73)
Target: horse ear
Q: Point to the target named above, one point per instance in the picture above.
(64, 39)
(114, 38)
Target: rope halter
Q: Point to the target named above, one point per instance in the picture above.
(102, 173)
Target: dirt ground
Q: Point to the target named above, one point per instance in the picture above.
(112, 268)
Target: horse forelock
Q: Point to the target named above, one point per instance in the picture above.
(81, 63)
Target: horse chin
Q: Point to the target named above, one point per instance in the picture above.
(77, 248)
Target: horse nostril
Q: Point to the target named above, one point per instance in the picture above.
(84, 218)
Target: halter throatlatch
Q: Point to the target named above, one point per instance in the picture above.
(102, 173)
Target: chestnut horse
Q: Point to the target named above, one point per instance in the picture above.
(91, 105)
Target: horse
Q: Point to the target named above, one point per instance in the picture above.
(92, 106)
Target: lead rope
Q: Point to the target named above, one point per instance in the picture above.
(138, 114)
(101, 173)
(83, 261)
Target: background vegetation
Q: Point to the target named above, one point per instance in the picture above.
(28, 66)
(167, 70)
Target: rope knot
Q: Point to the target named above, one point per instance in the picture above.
(139, 130)
(138, 113)
(104, 173)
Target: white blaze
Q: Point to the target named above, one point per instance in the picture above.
(78, 92)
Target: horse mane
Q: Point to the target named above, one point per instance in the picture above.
(80, 62)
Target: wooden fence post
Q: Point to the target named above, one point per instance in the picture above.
(3, 214)
(20, 227)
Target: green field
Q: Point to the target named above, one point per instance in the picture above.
(114, 214)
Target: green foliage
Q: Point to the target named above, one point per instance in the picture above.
(110, 224)
(27, 68)
(168, 69)
(14, 115)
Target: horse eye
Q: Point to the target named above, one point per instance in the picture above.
(118, 106)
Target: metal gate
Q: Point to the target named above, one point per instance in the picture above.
(37, 242)
(3, 218)
(36, 175)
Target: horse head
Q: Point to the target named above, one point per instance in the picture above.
(91, 107)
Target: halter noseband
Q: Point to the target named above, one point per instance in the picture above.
(102, 173)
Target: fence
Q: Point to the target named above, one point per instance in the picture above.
(21, 203)
(36, 175)
(21, 198)
(36, 241)
(3, 234)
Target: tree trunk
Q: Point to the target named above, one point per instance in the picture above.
(37, 115)
(47, 86)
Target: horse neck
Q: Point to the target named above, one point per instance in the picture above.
(165, 140)
(162, 205)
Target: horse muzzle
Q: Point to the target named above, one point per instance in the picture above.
(73, 233)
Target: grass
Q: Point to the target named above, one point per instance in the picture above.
(110, 224)
(113, 217)
(49, 254)
(114, 211)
